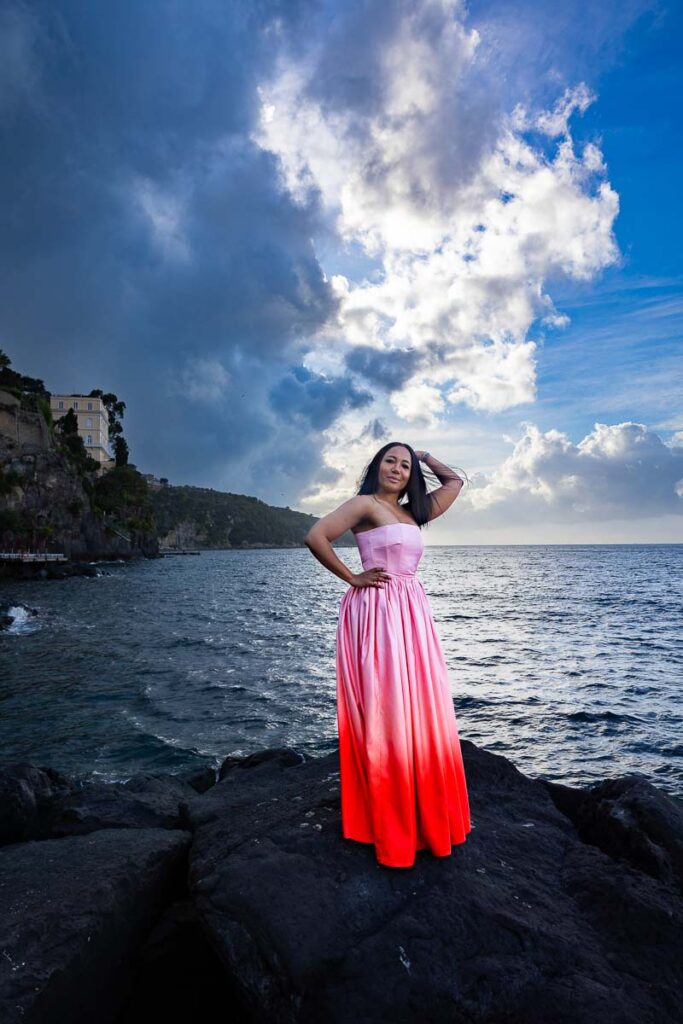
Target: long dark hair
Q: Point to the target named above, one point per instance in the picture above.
(414, 497)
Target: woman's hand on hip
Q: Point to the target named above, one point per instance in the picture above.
(375, 577)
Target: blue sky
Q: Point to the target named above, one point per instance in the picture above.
(628, 326)
(285, 234)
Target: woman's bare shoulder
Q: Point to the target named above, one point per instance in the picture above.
(347, 515)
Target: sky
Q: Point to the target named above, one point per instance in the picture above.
(288, 232)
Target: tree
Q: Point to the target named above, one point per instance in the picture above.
(29, 387)
(66, 431)
(115, 410)
(123, 495)
(120, 450)
(68, 423)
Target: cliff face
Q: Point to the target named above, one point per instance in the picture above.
(21, 427)
(45, 504)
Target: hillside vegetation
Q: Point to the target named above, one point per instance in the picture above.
(201, 517)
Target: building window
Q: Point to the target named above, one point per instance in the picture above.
(61, 405)
(75, 405)
(88, 439)
(89, 406)
(88, 421)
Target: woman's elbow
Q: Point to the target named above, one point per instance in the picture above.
(314, 537)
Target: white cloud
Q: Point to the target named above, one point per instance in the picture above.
(418, 403)
(556, 121)
(622, 471)
(468, 219)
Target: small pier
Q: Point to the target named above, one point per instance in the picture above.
(178, 551)
(32, 556)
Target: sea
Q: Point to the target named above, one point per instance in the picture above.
(566, 659)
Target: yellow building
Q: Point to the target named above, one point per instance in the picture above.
(93, 424)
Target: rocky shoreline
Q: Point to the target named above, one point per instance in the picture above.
(234, 893)
(61, 570)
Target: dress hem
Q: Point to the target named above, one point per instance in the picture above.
(424, 846)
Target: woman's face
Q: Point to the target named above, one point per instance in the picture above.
(394, 469)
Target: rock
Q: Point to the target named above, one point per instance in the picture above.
(523, 923)
(285, 756)
(564, 905)
(53, 571)
(9, 613)
(73, 912)
(145, 801)
(178, 976)
(631, 820)
(27, 795)
(200, 779)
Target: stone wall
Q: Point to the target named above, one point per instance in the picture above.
(20, 426)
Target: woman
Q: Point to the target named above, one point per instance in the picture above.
(402, 778)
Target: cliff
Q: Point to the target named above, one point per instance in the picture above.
(48, 503)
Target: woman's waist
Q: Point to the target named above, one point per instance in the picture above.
(407, 574)
(396, 582)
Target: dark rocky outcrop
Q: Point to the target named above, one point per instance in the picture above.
(631, 820)
(74, 910)
(563, 905)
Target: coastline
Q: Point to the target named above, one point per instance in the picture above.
(13, 571)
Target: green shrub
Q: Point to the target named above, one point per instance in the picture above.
(11, 522)
(44, 407)
(123, 494)
(9, 479)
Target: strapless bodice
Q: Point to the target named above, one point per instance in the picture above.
(395, 547)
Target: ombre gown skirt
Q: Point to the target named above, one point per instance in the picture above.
(402, 777)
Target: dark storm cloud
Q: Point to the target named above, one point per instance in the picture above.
(147, 246)
(315, 400)
(388, 370)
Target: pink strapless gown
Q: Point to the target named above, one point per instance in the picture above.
(402, 777)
